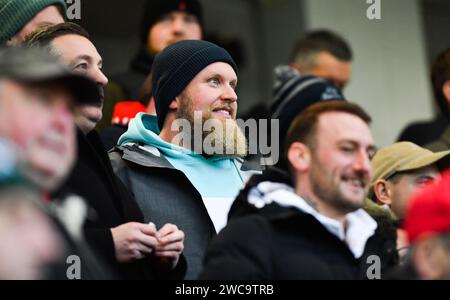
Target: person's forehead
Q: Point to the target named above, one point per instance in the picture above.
(219, 68)
(431, 170)
(328, 65)
(50, 14)
(344, 126)
(327, 60)
(75, 46)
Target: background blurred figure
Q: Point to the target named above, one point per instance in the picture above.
(428, 226)
(29, 242)
(324, 54)
(319, 69)
(34, 87)
(164, 22)
(21, 17)
(440, 77)
(320, 53)
(435, 135)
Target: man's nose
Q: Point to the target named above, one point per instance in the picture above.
(178, 25)
(362, 163)
(99, 77)
(229, 94)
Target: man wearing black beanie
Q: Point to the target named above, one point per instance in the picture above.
(189, 184)
(163, 23)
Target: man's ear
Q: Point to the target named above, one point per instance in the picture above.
(382, 191)
(446, 91)
(174, 104)
(299, 156)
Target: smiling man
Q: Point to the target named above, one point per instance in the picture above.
(184, 166)
(309, 225)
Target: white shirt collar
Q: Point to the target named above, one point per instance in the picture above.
(360, 226)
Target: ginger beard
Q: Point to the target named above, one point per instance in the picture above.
(220, 137)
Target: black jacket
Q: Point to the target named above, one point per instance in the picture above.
(277, 242)
(93, 179)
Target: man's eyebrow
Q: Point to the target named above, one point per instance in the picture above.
(215, 74)
(356, 143)
(83, 57)
(88, 58)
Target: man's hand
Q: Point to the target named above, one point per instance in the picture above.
(170, 245)
(133, 241)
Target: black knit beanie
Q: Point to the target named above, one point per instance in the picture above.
(155, 9)
(175, 67)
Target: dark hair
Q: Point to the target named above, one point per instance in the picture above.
(440, 73)
(317, 41)
(303, 127)
(44, 35)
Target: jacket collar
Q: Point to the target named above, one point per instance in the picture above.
(144, 155)
(149, 156)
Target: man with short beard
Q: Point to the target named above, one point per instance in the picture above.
(308, 225)
(184, 166)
